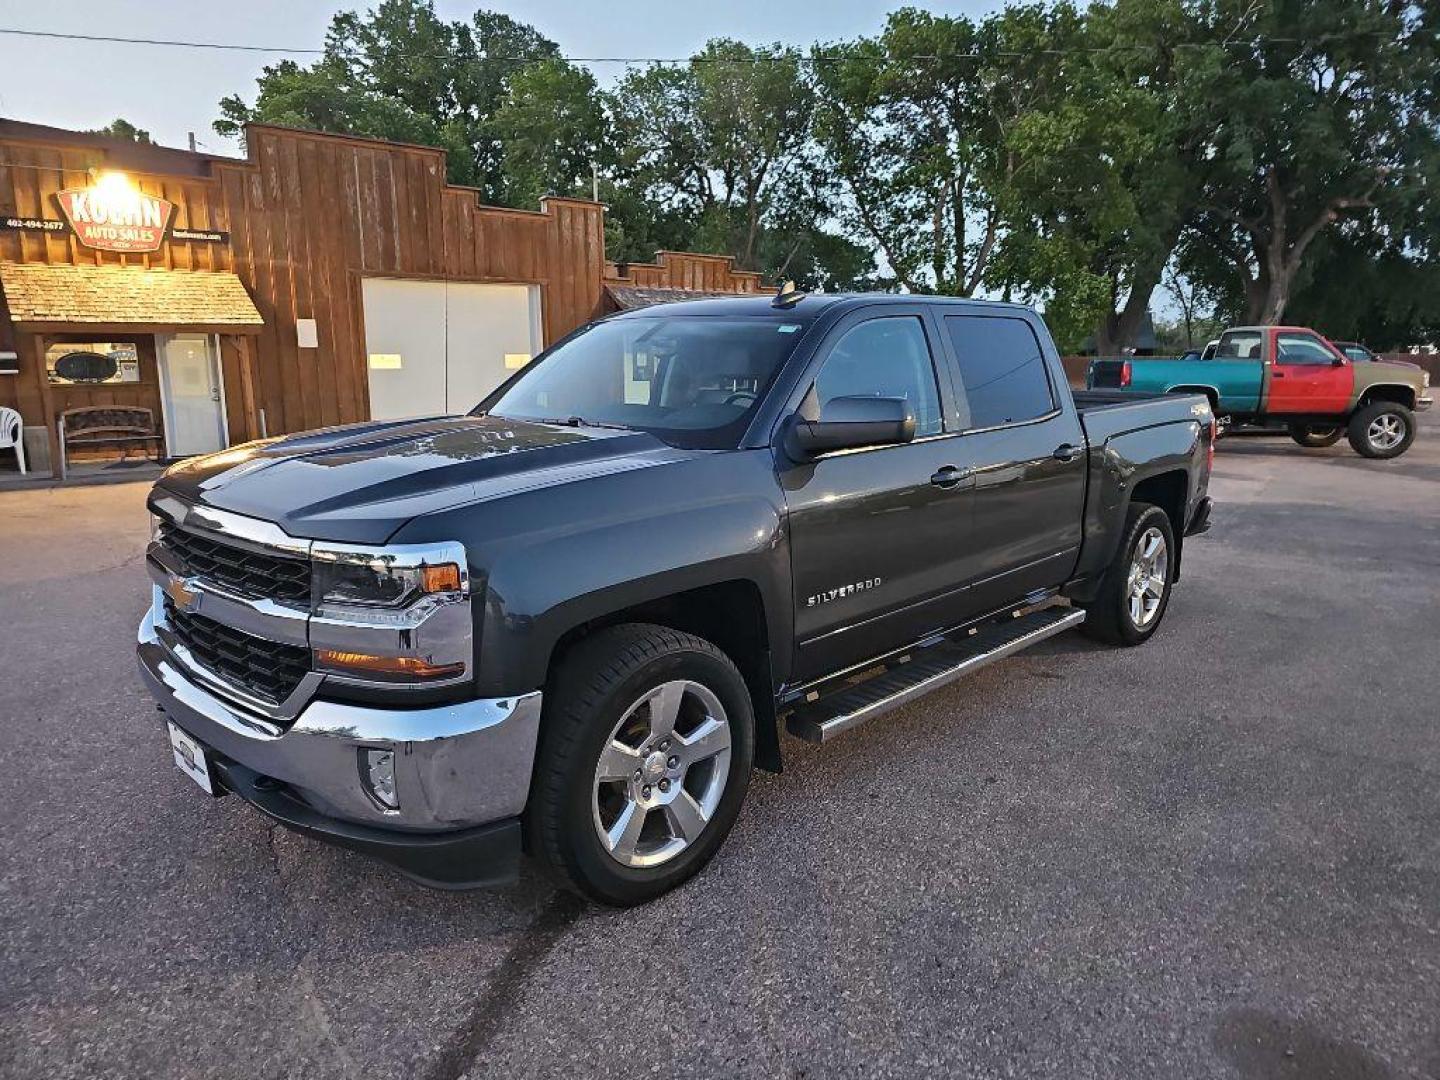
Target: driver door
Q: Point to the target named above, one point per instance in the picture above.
(1308, 376)
(875, 533)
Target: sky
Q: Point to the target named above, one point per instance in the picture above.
(172, 92)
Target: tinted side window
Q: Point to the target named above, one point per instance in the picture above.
(886, 357)
(1239, 345)
(1002, 368)
(1301, 349)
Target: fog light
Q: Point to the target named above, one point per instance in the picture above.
(378, 769)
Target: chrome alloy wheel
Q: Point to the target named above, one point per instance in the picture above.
(661, 774)
(1145, 584)
(1385, 432)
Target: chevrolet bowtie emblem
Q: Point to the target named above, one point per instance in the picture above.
(182, 595)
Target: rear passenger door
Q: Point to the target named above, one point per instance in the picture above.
(1025, 444)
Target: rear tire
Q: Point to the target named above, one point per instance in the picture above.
(1382, 429)
(628, 702)
(1315, 436)
(1135, 590)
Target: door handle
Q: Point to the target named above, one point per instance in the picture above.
(1065, 452)
(1277, 374)
(948, 476)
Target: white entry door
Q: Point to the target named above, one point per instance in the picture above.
(192, 394)
(435, 347)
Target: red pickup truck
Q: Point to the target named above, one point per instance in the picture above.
(1289, 374)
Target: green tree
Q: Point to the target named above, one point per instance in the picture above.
(1330, 115)
(549, 128)
(324, 97)
(120, 128)
(912, 124)
(722, 143)
(516, 121)
(1107, 160)
(1358, 288)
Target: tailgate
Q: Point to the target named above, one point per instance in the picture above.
(1106, 374)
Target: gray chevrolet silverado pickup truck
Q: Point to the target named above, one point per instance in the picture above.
(570, 622)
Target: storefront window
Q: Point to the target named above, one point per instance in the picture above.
(91, 362)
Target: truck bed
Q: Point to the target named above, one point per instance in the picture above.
(1107, 413)
(1238, 384)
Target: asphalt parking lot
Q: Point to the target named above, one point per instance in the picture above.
(1216, 855)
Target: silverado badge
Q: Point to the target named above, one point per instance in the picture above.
(842, 590)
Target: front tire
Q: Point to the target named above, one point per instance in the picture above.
(646, 746)
(1135, 590)
(1382, 429)
(1315, 437)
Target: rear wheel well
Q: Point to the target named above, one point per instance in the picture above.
(1400, 395)
(1169, 491)
(730, 615)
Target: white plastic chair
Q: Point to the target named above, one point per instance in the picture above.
(12, 433)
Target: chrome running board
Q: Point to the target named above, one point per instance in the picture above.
(821, 720)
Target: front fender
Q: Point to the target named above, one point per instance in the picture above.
(575, 553)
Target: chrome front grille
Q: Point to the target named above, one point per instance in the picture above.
(266, 669)
(239, 570)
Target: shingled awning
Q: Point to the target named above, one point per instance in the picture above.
(58, 296)
(630, 297)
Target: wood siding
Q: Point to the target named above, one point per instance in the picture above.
(313, 215)
(309, 217)
(684, 270)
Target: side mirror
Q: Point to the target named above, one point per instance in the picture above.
(849, 423)
(1338, 361)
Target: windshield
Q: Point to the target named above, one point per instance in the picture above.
(693, 382)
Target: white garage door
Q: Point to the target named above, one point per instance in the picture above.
(440, 346)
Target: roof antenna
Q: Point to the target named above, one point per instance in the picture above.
(788, 296)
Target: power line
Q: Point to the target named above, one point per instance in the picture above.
(814, 58)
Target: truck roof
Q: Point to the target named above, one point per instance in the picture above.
(761, 305)
(1259, 329)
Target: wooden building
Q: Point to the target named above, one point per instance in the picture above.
(321, 280)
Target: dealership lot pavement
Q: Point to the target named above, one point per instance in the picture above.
(1217, 855)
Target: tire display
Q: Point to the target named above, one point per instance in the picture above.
(1135, 590)
(1382, 429)
(644, 760)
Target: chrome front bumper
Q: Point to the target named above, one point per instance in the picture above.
(456, 766)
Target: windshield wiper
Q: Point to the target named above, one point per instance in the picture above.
(580, 421)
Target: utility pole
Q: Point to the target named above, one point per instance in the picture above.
(594, 181)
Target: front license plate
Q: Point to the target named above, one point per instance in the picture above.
(190, 757)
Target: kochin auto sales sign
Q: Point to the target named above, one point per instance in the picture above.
(116, 217)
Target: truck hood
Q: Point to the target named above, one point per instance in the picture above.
(1397, 367)
(363, 482)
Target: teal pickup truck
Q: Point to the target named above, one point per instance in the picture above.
(1292, 375)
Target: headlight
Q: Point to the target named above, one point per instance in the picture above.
(380, 580)
(398, 615)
